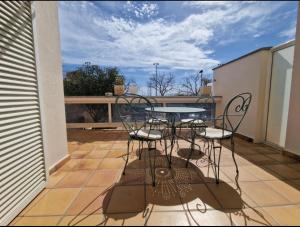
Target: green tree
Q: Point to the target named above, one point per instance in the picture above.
(91, 80)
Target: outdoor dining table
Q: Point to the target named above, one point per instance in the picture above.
(173, 113)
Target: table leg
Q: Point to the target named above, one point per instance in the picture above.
(173, 135)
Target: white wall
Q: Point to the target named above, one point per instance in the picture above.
(248, 74)
(293, 128)
(49, 72)
(281, 78)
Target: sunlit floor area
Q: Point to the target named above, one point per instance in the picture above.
(91, 190)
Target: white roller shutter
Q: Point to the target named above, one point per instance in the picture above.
(22, 164)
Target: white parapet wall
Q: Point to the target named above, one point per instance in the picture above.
(245, 74)
(50, 80)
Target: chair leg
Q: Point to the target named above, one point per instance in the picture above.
(216, 162)
(209, 148)
(233, 156)
(192, 149)
(152, 165)
(166, 152)
(127, 158)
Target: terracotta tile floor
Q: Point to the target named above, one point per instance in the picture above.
(91, 190)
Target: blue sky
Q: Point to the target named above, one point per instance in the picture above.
(183, 36)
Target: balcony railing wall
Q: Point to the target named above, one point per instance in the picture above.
(99, 111)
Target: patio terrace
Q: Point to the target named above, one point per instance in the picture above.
(90, 189)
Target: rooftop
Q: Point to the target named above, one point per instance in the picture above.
(90, 190)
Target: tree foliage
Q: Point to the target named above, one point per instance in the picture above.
(90, 80)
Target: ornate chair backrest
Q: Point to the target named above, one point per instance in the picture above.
(155, 103)
(235, 112)
(208, 103)
(131, 111)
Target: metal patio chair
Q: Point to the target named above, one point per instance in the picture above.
(160, 122)
(200, 120)
(225, 129)
(134, 117)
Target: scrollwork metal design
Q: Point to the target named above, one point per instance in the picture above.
(240, 110)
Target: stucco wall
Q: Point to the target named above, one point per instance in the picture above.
(248, 74)
(49, 72)
(293, 128)
(279, 93)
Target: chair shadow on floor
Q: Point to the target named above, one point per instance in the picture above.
(176, 186)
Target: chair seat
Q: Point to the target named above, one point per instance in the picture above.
(191, 121)
(157, 121)
(214, 133)
(146, 134)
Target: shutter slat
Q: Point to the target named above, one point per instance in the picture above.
(19, 40)
(14, 149)
(16, 61)
(17, 77)
(21, 151)
(24, 129)
(19, 124)
(14, 98)
(24, 103)
(25, 190)
(18, 135)
(19, 118)
(12, 30)
(19, 82)
(20, 34)
(10, 92)
(9, 21)
(17, 44)
(18, 87)
(13, 17)
(10, 117)
(19, 180)
(18, 9)
(15, 70)
(24, 5)
(16, 66)
(17, 166)
(14, 109)
(16, 141)
(4, 46)
(11, 54)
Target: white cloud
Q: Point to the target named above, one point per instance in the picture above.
(289, 33)
(88, 35)
(208, 4)
(257, 35)
(128, 43)
(142, 10)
